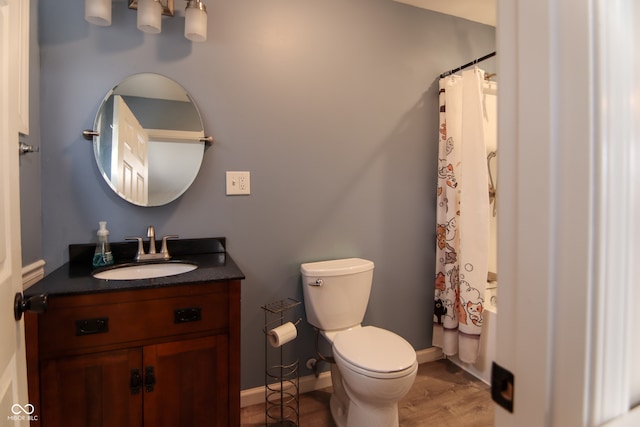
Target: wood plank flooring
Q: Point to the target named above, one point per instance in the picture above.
(443, 395)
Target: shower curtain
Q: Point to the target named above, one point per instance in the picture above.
(462, 231)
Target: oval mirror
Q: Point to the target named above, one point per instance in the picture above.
(148, 139)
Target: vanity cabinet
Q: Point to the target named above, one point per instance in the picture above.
(166, 356)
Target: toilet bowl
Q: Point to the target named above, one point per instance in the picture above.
(374, 367)
(377, 368)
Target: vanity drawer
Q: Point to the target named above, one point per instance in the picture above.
(71, 325)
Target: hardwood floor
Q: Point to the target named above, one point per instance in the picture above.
(443, 395)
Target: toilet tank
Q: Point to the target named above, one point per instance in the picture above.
(336, 292)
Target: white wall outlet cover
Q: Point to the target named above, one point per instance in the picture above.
(238, 183)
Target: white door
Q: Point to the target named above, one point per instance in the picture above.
(568, 240)
(129, 157)
(14, 405)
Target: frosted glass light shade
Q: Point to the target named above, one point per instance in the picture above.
(149, 16)
(98, 12)
(195, 27)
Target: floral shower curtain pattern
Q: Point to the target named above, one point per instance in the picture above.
(462, 229)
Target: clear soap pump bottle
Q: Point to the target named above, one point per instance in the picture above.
(103, 255)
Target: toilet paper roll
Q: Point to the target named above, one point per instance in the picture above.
(282, 334)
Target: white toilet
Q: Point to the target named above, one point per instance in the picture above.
(374, 367)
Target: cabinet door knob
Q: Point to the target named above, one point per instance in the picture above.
(136, 381)
(149, 379)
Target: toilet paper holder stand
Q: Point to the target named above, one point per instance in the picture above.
(282, 379)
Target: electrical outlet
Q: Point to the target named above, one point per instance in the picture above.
(238, 183)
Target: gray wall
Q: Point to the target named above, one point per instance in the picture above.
(332, 106)
(30, 164)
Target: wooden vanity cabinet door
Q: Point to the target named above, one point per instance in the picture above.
(191, 383)
(91, 390)
(86, 381)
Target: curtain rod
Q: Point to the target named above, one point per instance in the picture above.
(462, 67)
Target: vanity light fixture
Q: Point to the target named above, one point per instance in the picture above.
(149, 20)
(98, 12)
(195, 26)
(149, 16)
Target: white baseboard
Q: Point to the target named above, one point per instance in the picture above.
(309, 383)
(430, 354)
(32, 273)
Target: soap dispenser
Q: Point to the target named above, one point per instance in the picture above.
(103, 255)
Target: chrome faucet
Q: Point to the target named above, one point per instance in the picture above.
(151, 234)
(152, 255)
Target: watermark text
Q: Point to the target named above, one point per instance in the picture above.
(22, 413)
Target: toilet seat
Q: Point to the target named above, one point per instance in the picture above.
(359, 349)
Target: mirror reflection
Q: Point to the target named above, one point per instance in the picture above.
(150, 141)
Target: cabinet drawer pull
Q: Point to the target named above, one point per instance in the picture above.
(92, 326)
(184, 315)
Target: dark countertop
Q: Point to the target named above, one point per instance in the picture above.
(74, 277)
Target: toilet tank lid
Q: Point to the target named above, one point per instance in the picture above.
(336, 267)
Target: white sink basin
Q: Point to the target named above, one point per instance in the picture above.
(145, 271)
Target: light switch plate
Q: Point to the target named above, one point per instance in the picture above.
(238, 183)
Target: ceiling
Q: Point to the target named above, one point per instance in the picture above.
(483, 11)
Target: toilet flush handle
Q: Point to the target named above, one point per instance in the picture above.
(318, 282)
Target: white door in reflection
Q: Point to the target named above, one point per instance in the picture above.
(129, 160)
